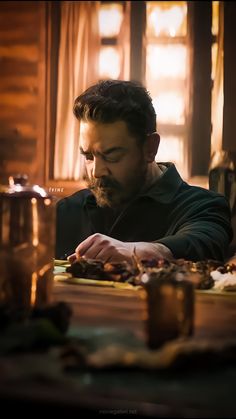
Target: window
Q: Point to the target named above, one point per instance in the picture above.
(158, 43)
(166, 65)
(162, 59)
(111, 16)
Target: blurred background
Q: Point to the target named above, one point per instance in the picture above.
(50, 51)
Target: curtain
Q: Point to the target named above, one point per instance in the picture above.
(217, 94)
(77, 70)
(123, 41)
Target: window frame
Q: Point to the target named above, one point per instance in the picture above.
(199, 120)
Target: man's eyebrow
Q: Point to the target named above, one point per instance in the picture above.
(83, 151)
(106, 152)
(113, 149)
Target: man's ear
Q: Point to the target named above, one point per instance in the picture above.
(151, 146)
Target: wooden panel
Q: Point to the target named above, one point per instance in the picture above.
(10, 115)
(21, 6)
(18, 99)
(29, 52)
(13, 67)
(53, 39)
(19, 35)
(26, 153)
(17, 155)
(22, 36)
(22, 130)
(18, 83)
(26, 21)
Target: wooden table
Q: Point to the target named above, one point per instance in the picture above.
(120, 392)
(207, 394)
(215, 313)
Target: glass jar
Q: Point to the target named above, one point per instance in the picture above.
(169, 310)
(27, 239)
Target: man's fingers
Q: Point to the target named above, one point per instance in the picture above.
(93, 251)
(85, 245)
(101, 247)
(92, 245)
(72, 258)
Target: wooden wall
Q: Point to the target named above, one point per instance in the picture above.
(26, 70)
(22, 89)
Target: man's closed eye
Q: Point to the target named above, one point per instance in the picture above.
(88, 156)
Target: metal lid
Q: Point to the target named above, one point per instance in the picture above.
(19, 188)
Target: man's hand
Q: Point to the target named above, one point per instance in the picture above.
(105, 248)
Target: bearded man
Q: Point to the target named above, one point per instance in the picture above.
(131, 203)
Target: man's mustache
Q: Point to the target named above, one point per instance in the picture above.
(103, 183)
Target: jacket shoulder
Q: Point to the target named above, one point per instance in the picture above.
(203, 193)
(77, 199)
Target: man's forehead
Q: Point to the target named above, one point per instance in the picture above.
(113, 127)
(110, 134)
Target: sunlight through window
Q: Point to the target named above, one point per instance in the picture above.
(110, 19)
(169, 108)
(166, 18)
(166, 61)
(215, 17)
(166, 75)
(171, 149)
(109, 62)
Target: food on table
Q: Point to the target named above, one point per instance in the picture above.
(225, 277)
(95, 269)
(199, 273)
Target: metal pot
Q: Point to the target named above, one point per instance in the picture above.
(27, 238)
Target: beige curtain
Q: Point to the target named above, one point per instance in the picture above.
(217, 94)
(123, 41)
(77, 69)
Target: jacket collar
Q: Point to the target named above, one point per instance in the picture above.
(166, 186)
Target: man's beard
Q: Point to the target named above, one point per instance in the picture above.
(105, 190)
(110, 193)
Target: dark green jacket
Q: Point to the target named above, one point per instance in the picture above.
(192, 222)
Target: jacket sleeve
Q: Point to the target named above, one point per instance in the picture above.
(202, 231)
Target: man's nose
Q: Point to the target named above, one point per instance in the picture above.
(99, 167)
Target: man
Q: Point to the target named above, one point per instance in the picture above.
(132, 204)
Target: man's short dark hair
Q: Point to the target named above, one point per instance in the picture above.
(117, 100)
